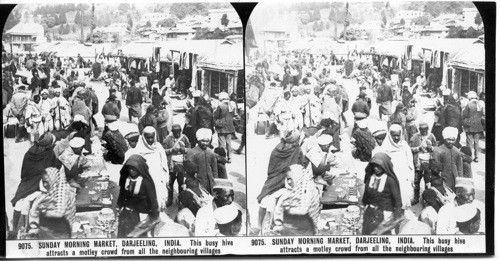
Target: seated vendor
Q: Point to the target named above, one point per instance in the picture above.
(298, 207)
(53, 212)
(229, 220)
(137, 195)
(73, 160)
(322, 159)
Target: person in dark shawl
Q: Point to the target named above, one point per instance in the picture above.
(382, 197)
(137, 195)
(39, 157)
(157, 99)
(285, 154)
(115, 144)
(203, 115)
(384, 99)
(452, 116)
(134, 101)
(363, 141)
(111, 110)
(149, 119)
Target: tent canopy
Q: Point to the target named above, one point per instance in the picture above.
(141, 49)
(73, 48)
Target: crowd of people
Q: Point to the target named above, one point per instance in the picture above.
(53, 105)
(301, 98)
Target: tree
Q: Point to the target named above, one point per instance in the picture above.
(83, 7)
(224, 21)
(478, 20)
(62, 18)
(148, 24)
(422, 20)
(402, 22)
(315, 26)
(61, 29)
(73, 28)
(51, 21)
(321, 26)
(78, 18)
(327, 26)
(13, 19)
(384, 19)
(333, 15)
(67, 30)
(169, 22)
(316, 15)
(123, 7)
(130, 23)
(311, 17)
(181, 10)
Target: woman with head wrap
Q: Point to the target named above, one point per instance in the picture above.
(204, 158)
(285, 154)
(472, 115)
(149, 119)
(137, 194)
(54, 212)
(297, 209)
(39, 157)
(382, 197)
(154, 154)
(402, 158)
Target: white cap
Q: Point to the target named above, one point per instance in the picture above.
(465, 212)
(362, 123)
(76, 142)
(79, 117)
(113, 126)
(225, 214)
(204, 134)
(325, 139)
(196, 93)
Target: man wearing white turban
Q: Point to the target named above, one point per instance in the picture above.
(402, 158)
(448, 155)
(204, 158)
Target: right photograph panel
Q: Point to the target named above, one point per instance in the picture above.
(365, 119)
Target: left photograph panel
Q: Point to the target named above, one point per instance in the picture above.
(123, 120)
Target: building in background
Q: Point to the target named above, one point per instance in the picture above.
(24, 36)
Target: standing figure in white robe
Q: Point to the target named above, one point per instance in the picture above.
(402, 158)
